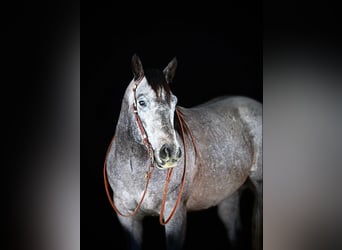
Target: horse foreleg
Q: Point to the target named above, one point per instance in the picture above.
(133, 228)
(175, 229)
(257, 223)
(229, 213)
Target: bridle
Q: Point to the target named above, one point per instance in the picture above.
(150, 169)
(146, 142)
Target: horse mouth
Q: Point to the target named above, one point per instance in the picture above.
(167, 164)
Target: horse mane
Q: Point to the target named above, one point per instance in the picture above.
(183, 129)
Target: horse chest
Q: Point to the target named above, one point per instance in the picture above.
(129, 188)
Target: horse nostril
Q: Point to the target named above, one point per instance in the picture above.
(165, 152)
(179, 153)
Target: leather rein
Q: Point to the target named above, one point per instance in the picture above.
(150, 169)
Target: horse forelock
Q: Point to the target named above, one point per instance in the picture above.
(158, 83)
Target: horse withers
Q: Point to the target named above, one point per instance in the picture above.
(165, 160)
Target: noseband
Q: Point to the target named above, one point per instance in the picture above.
(148, 174)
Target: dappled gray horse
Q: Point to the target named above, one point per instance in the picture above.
(165, 160)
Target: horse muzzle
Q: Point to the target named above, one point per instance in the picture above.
(169, 156)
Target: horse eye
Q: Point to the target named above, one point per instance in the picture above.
(142, 103)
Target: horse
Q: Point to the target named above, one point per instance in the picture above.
(166, 160)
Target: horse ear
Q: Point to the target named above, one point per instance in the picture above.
(170, 70)
(137, 67)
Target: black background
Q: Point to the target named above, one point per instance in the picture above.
(219, 52)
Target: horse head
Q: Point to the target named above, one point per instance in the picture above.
(154, 105)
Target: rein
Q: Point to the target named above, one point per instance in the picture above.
(151, 167)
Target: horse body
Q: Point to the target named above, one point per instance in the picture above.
(227, 134)
(228, 143)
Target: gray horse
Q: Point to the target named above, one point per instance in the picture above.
(165, 160)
